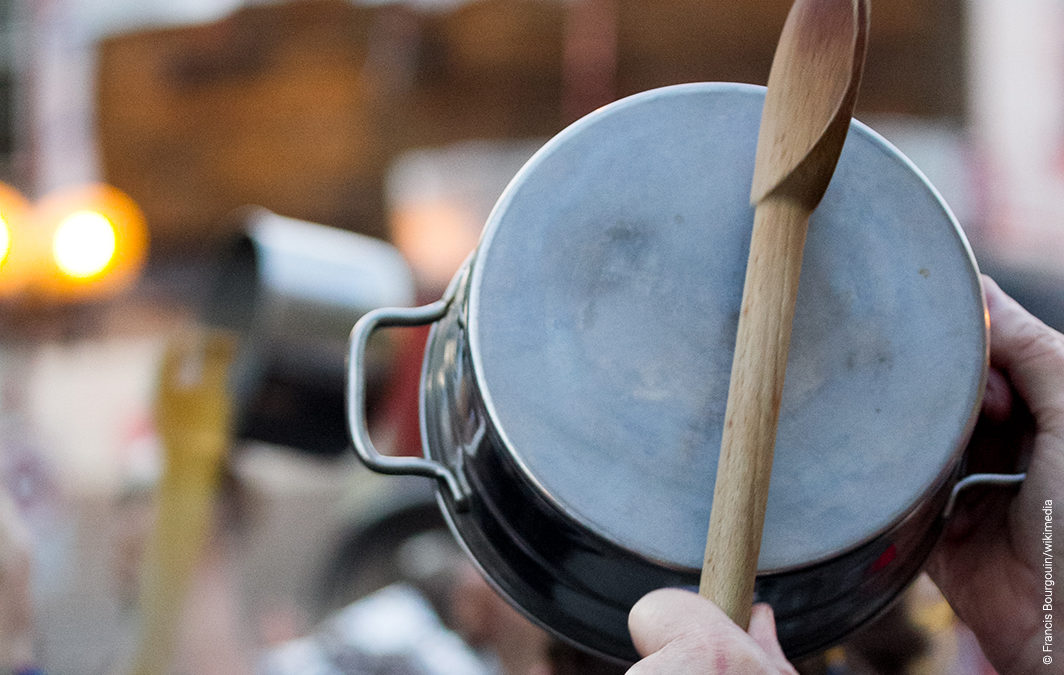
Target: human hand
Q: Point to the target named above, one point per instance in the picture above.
(990, 563)
(681, 632)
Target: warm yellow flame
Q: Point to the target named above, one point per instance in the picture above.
(84, 244)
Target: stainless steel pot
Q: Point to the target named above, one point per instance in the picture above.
(575, 380)
(290, 290)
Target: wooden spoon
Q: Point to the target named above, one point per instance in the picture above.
(812, 88)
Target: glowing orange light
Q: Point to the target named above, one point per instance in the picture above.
(5, 241)
(16, 262)
(98, 241)
(84, 244)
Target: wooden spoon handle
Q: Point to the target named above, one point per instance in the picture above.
(771, 287)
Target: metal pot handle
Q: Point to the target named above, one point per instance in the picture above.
(980, 479)
(356, 396)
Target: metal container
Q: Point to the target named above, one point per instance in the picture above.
(576, 376)
(290, 290)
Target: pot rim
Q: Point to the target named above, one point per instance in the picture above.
(474, 282)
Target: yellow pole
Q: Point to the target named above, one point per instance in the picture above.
(194, 422)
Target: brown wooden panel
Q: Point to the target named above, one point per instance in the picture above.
(300, 107)
(266, 107)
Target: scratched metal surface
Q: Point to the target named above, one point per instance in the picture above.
(603, 310)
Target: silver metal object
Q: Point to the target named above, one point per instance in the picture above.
(356, 401)
(573, 389)
(979, 479)
(290, 290)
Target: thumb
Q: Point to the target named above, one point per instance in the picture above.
(681, 632)
(669, 615)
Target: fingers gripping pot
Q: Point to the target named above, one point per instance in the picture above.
(575, 379)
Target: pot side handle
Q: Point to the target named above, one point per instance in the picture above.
(976, 479)
(356, 397)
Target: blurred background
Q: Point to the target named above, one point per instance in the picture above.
(276, 169)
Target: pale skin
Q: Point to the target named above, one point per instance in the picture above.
(989, 564)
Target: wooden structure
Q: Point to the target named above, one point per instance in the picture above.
(300, 107)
